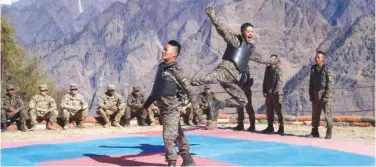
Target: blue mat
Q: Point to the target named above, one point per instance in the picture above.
(234, 151)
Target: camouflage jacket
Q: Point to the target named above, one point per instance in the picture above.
(13, 102)
(42, 103)
(273, 79)
(135, 102)
(75, 103)
(320, 83)
(105, 101)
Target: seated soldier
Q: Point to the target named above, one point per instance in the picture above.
(12, 109)
(43, 107)
(111, 106)
(74, 107)
(135, 102)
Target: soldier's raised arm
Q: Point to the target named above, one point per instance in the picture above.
(230, 38)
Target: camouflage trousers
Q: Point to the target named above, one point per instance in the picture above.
(173, 134)
(317, 107)
(109, 115)
(248, 108)
(130, 113)
(192, 115)
(80, 115)
(224, 74)
(36, 116)
(21, 116)
(273, 102)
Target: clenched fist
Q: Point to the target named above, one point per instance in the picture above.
(210, 11)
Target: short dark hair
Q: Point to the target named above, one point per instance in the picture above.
(320, 52)
(244, 26)
(175, 44)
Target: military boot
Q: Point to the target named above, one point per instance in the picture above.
(314, 133)
(171, 163)
(116, 124)
(188, 160)
(4, 127)
(23, 127)
(142, 122)
(33, 127)
(281, 130)
(252, 127)
(328, 133)
(269, 129)
(127, 122)
(239, 127)
(50, 126)
(66, 125)
(80, 124)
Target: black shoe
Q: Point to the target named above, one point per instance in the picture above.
(188, 161)
(328, 133)
(314, 133)
(171, 163)
(269, 129)
(281, 130)
(239, 127)
(251, 129)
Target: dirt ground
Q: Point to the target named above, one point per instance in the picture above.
(360, 134)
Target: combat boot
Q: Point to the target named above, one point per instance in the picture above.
(252, 127)
(4, 127)
(142, 122)
(269, 129)
(116, 124)
(239, 127)
(188, 160)
(314, 133)
(23, 127)
(127, 122)
(66, 125)
(80, 124)
(328, 133)
(281, 130)
(50, 126)
(171, 163)
(33, 128)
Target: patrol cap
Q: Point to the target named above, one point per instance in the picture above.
(73, 87)
(10, 87)
(136, 88)
(43, 87)
(111, 87)
(207, 87)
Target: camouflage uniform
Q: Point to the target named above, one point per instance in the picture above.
(134, 108)
(204, 100)
(12, 109)
(169, 109)
(226, 74)
(74, 107)
(272, 90)
(154, 112)
(320, 92)
(111, 106)
(43, 108)
(248, 107)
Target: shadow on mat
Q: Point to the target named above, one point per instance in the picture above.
(147, 150)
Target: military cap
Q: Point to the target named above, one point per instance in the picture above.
(10, 87)
(136, 88)
(111, 87)
(43, 87)
(73, 87)
(207, 87)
